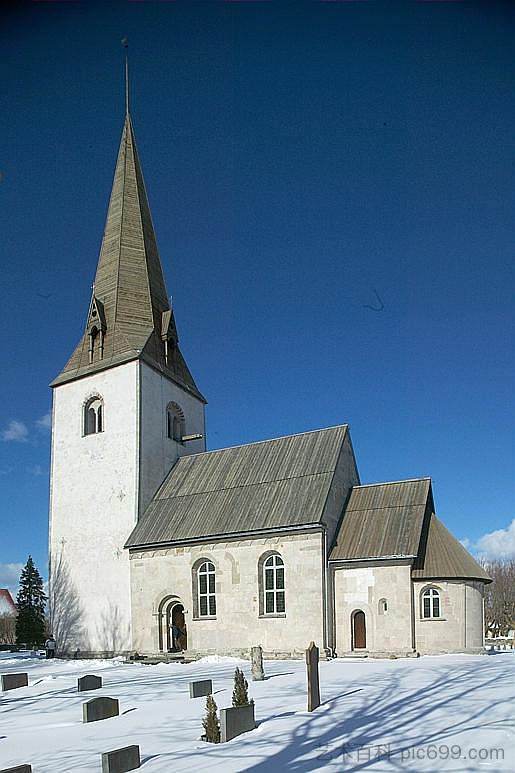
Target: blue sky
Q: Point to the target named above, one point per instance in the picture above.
(332, 187)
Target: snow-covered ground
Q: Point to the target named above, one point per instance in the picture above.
(442, 713)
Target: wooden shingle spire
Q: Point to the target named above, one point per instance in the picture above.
(130, 315)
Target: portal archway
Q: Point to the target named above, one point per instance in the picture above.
(171, 613)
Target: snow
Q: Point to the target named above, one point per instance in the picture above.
(417, 713)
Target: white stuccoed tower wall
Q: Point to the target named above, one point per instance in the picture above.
(101, 483)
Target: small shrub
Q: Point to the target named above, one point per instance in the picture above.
(240, 695)
(210, 722)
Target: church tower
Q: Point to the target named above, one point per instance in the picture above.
(125, 407)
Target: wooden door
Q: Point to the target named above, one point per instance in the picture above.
(360, 633)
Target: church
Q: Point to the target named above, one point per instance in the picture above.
(158, 544)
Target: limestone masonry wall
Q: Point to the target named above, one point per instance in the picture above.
(164, 574)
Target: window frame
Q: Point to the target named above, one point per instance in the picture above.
(433, 596)
(206, 569)
(175, 422)
(93, 415)
(272, 564)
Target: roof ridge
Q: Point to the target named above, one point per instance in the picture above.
(268, 440)
(392, 482)
(383, 507)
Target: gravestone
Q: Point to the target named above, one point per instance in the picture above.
(100, 708)
(121, 760)
(18, 769)
(313, 683)
(256, 657)
(235, 721)
(201, 688)
(13, 681)
(89, 682)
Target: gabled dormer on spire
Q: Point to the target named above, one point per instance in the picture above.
(130, 315)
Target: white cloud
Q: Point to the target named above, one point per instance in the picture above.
(9, 576)
(467, 544)
(45, 422)
(497, 544)
(16, 430)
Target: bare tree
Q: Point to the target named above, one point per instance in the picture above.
(500, 597)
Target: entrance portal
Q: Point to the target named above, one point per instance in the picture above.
(170, 614)
(175, 618)
(359, 631)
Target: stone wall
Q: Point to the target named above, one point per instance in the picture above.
(161, 576)
(370, 588)
(460, 626)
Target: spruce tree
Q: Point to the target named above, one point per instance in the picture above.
(210, 722)
(30, 623)
(240, 695)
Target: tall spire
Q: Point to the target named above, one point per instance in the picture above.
(130, 316)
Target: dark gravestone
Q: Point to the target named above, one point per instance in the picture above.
(89, 682)
(313, 683)
(121, 760)
(13, 681)
(18, 769)
(100, 708)
(201, 688)
(256, 657)
(235, 721)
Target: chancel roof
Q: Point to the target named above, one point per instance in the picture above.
(129, 300)
(273, 484)
(397, 520)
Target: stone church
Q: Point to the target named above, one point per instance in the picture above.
(273, 543)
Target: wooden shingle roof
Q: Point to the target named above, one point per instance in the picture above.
(442, 556)
(129, 284)
(383, 520)
(272, 484)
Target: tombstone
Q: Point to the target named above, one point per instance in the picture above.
(89, 682)
(313, 683)
(235, 721)
(100, 708)
(121, 760)
(13, 681)
(201, 688)
(18, 769)
(256, 657)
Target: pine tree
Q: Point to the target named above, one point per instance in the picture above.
(210, 722)
(30, 623)
(240, 695)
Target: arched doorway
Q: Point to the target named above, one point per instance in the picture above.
(359, 631)
(171, 612)
(175, 617)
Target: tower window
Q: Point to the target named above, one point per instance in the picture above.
(175, 424)
(93, 419)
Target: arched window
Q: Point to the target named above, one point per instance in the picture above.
(430, 603)
(382, 607)
(175, 424)
(273, 585)
(206, 590)
(93, 419)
